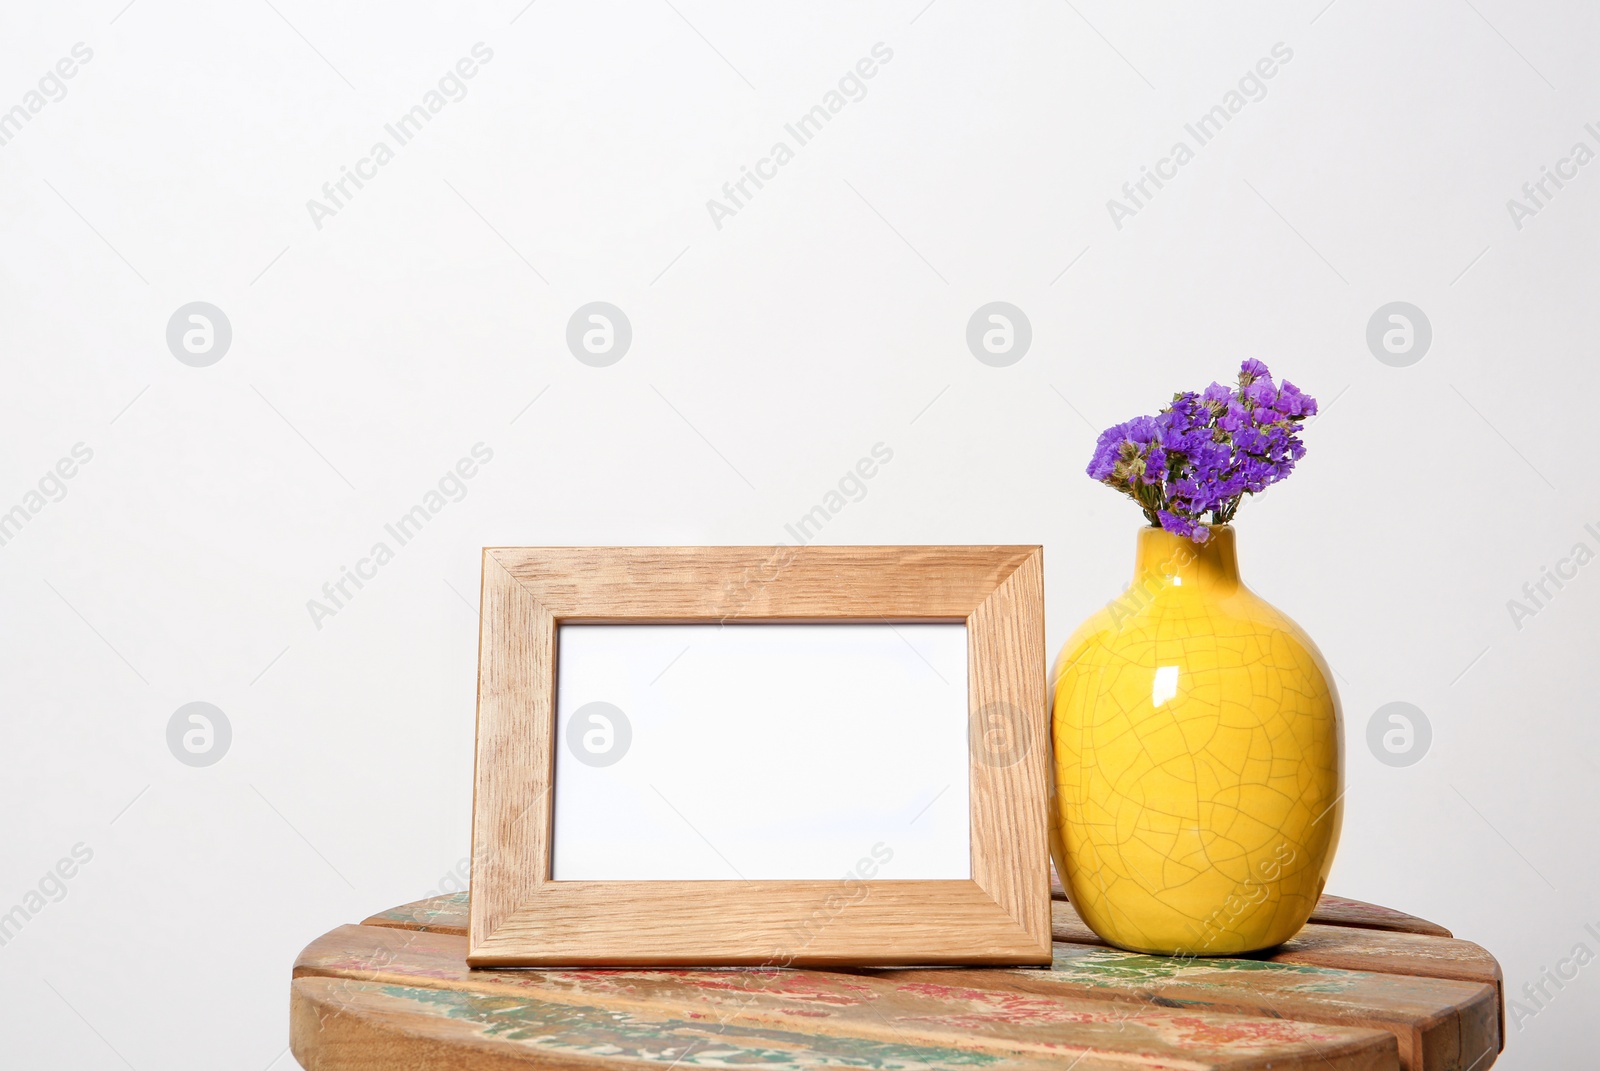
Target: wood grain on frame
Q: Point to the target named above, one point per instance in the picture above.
(520, 917)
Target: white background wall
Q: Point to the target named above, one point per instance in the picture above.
(827, 315)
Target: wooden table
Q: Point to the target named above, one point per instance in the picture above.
(1361, 988)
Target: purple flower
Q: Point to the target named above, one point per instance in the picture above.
(1259, 393)
(1205, 451)
(1250, 370)
(1178, 524)
(1295, 403)
(1125, 449)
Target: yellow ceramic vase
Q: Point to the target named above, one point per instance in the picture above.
(1198, 760)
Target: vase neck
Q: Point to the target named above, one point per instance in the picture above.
(1165, 559)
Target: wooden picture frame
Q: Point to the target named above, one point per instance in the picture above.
(520, 916)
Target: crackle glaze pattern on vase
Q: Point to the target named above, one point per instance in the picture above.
(1198, 761)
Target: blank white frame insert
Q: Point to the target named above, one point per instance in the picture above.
(761, 752)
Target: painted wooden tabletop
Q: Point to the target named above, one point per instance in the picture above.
(1361, 988)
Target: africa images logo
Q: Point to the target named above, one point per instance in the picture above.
(1251, 88)
(851, 88)
(50, 89)
(450, 89)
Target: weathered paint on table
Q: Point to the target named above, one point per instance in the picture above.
(1346, 995)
